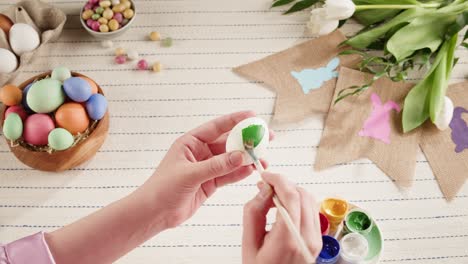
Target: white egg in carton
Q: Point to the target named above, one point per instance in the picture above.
(24, 28)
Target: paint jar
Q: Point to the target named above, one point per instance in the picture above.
(358, 221)
(335, 210)
(330, 251)
(324, 224)
(354, 249)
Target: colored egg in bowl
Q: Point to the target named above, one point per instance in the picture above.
(54, 121)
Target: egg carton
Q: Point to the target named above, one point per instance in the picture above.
(47, 20)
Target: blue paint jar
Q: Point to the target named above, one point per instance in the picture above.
(330, 251)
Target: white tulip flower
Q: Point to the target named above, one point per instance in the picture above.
(319, 25)
(445, 115)
(339, 9)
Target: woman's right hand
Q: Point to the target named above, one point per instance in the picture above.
(278, 246)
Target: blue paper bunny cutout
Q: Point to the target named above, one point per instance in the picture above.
(310, 79)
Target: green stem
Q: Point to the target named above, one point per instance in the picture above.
(365, 7)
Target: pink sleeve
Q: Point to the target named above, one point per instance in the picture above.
(27, 250)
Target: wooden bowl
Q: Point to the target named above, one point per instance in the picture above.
(67, 159)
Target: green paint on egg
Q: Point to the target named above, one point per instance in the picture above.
(253, 133)
(60, 139)
(13, 127)
(61, 73)
(45, 96)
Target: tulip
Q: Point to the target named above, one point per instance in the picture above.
(319, 25)
(445, 115)
(339, 9)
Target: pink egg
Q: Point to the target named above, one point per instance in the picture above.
(89, 22)
(93, 2)
(118, 17)
(142, 65)
(16, 109)
(95, 26)
(88, 6)
(37, 128)
(121, 59)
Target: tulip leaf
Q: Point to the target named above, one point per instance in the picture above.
(372, 16)
(364, 39)
(386, 2)
(460, 23)
(281, 3)
(423, 32)
(301, 5)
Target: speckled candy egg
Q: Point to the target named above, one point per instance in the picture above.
(13, 127)
(96, 106)
(235, 142)
(61, 73)
(37, 128)
(72, 117)
(77, 89)
(60, 139)
(45, 96)
(17, 109)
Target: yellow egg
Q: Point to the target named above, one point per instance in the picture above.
(119, 8)
(128, 13)
(104, 28)
(105, 3)
(103, 21)
(87, 14)
(113, 25)
(108, 14)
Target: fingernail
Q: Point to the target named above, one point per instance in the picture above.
(265, 190)
(236, 158)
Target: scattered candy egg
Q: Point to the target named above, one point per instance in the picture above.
(17, 109)
(142, 65)
(108, 14)
(119, 51)
(157, 67)
(155, 36)
(61, 73)
(107, 44)
(104, 28)
(87, 14)
(72, 117)
(128, 13)
(113, 25)
(37, 128)
(11, 95)
(96, 106)
(77, 89)
(167, 42)
(94, 87)
(105, 3)
(5, 24)
(23, 38)
(45, 96)
(133, 55)
(60, 139)
(23, 100)
(9, 61)
(13, 127)
(121, 59)
(235, 141)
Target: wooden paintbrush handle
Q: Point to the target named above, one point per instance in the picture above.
(287, 219)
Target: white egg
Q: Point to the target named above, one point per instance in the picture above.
(235, 142)
(133, 55)
(9, 62)
(23, 38)
(445, 115)
(107, 44)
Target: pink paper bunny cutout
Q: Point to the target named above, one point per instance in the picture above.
(378, 124)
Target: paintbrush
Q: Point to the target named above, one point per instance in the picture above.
(251, 137)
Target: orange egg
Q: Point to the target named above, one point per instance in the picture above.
(72, 117)
(11, 95)
(5, 24)
(94, 88)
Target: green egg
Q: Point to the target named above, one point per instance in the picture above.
(13, 127)
(60, 139)
(45, 96)
(61, 73)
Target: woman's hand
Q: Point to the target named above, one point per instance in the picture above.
(194, 167)
(278, 246)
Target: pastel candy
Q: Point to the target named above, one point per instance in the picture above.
(77, 89)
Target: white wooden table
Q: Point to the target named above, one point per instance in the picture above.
(148, 111)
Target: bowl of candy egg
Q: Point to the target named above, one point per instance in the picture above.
(107, 19)
(54, 121)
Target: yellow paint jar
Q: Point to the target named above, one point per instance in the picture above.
(335, 210)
